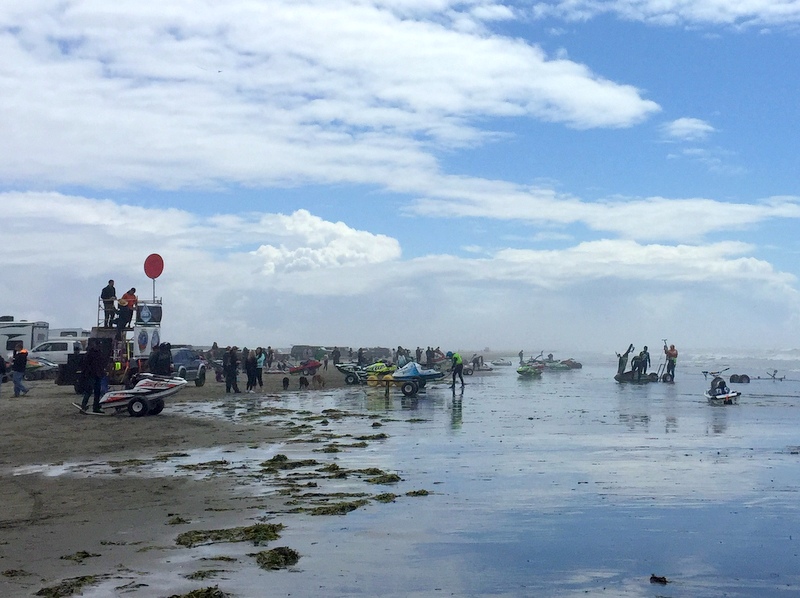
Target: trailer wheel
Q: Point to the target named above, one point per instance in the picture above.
(304, 372)
(409, 388)
(653, 377)
(468, 371)
(744, 379)
(351, 379)
(734, 378)
(157, 407)
(200, 380)
(666, 377)
(137, 407)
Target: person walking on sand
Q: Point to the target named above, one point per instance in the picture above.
(230, 363)
(458, 367)
(623, 360)
(93, 369)
(3, 371)
(19, 361)
(672, 359)
(261, 358)
(250, 367)
(108, 295)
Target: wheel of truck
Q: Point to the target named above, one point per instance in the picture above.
(182, 373)
(351, 379)
(409, 388)
(744, 379)
(200, 380)
(734, 378)
(156, 407)
(138, 407)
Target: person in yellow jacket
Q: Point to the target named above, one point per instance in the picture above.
(458, 368)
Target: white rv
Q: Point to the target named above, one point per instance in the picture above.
(29, 334)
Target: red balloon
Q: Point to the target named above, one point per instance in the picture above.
(153, 266)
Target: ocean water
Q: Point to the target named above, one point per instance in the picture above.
(570, 485)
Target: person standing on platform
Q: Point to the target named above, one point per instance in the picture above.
(108, 295)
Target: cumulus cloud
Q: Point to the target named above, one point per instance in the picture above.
(687, 129)
(755, 13)
(273, 92)
(657, 218)
(269, 275)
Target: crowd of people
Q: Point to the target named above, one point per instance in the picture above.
(641, 362)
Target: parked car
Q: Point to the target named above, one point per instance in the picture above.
(58, 350)
(189, 365)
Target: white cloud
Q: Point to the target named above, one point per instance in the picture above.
(746, 13)
(259, 93)
(687, 129)
(291, 278)
(656, 218)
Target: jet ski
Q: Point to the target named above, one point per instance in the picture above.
(146, 397)
(529, 370)
(720, 394)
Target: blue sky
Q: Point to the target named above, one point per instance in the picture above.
(541, 175)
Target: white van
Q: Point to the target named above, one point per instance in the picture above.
(57, 350)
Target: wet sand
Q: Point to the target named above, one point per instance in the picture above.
(122, 521)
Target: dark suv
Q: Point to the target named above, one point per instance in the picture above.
(189, 365)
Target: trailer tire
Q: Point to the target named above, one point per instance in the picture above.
(409, 388)
(201, 378)
(666, 377)
(653, 377)
(468, 371)
(351, 379)
(157, 407)
(744, 379)
(138, 407)
(734, 378)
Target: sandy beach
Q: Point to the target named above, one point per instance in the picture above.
(51, 522)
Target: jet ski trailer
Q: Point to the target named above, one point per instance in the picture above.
(145, 398)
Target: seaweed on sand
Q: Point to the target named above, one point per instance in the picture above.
(387, 478)
(15, 573)
(68, 587)
(422, 492)
(281, 462)
(79, 556)
(204, 574)
(380, 436)
(385, 497)
(210, 592)
(260, 533)
(277, 558)
(339, 508)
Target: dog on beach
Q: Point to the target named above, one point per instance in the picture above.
(317, 382)
(285, 383)
(303, 382)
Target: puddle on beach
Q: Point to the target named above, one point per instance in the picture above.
(563, 486)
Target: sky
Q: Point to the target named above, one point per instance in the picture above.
(559, 176)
